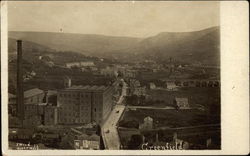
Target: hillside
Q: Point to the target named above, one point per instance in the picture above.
(84, 43)
(198, 46)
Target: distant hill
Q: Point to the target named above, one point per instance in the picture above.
(32, 51)
(199, 46)
(84, 43)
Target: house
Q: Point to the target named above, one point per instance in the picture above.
(171, 86)
(147, 123)
(33, 96)
(66, 82)
(181, 103)
(152, 85)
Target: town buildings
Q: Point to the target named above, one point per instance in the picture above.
(80, 64)
(79, 140)
(109, 72)
(136, 88)
(39, 107)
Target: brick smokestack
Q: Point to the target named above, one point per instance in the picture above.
(19, 93)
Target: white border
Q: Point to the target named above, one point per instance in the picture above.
(234, 89)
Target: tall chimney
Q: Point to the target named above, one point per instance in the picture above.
(19, 94)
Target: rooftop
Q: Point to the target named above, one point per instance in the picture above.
(90, 88)
(28, 93)
(32, 92)
(181, 99)
(12, 95)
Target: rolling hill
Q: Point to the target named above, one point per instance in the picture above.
(83, 43)
(199, 46)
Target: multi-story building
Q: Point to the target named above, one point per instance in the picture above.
(33, 110)
(84, 104)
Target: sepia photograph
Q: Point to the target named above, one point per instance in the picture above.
(114, 75)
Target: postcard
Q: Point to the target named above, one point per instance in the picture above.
(124, 77)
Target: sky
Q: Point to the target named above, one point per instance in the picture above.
(135, 19)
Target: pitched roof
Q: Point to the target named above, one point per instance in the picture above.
(170, 84)
(90, 88)
(11, 95)
(51, 92)
(148, 118)
(181, 99)
(32, 92)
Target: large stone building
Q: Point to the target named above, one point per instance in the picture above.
(84, 104)
(33, 107)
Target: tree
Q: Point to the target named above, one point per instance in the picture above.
(135, 142)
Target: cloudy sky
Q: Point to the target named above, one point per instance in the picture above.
(138, 19)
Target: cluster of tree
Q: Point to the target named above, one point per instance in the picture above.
(135, 142)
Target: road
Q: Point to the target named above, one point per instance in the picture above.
(109, 129)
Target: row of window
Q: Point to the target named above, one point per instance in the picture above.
(70, 120)
(30, 107)
(79, 95)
